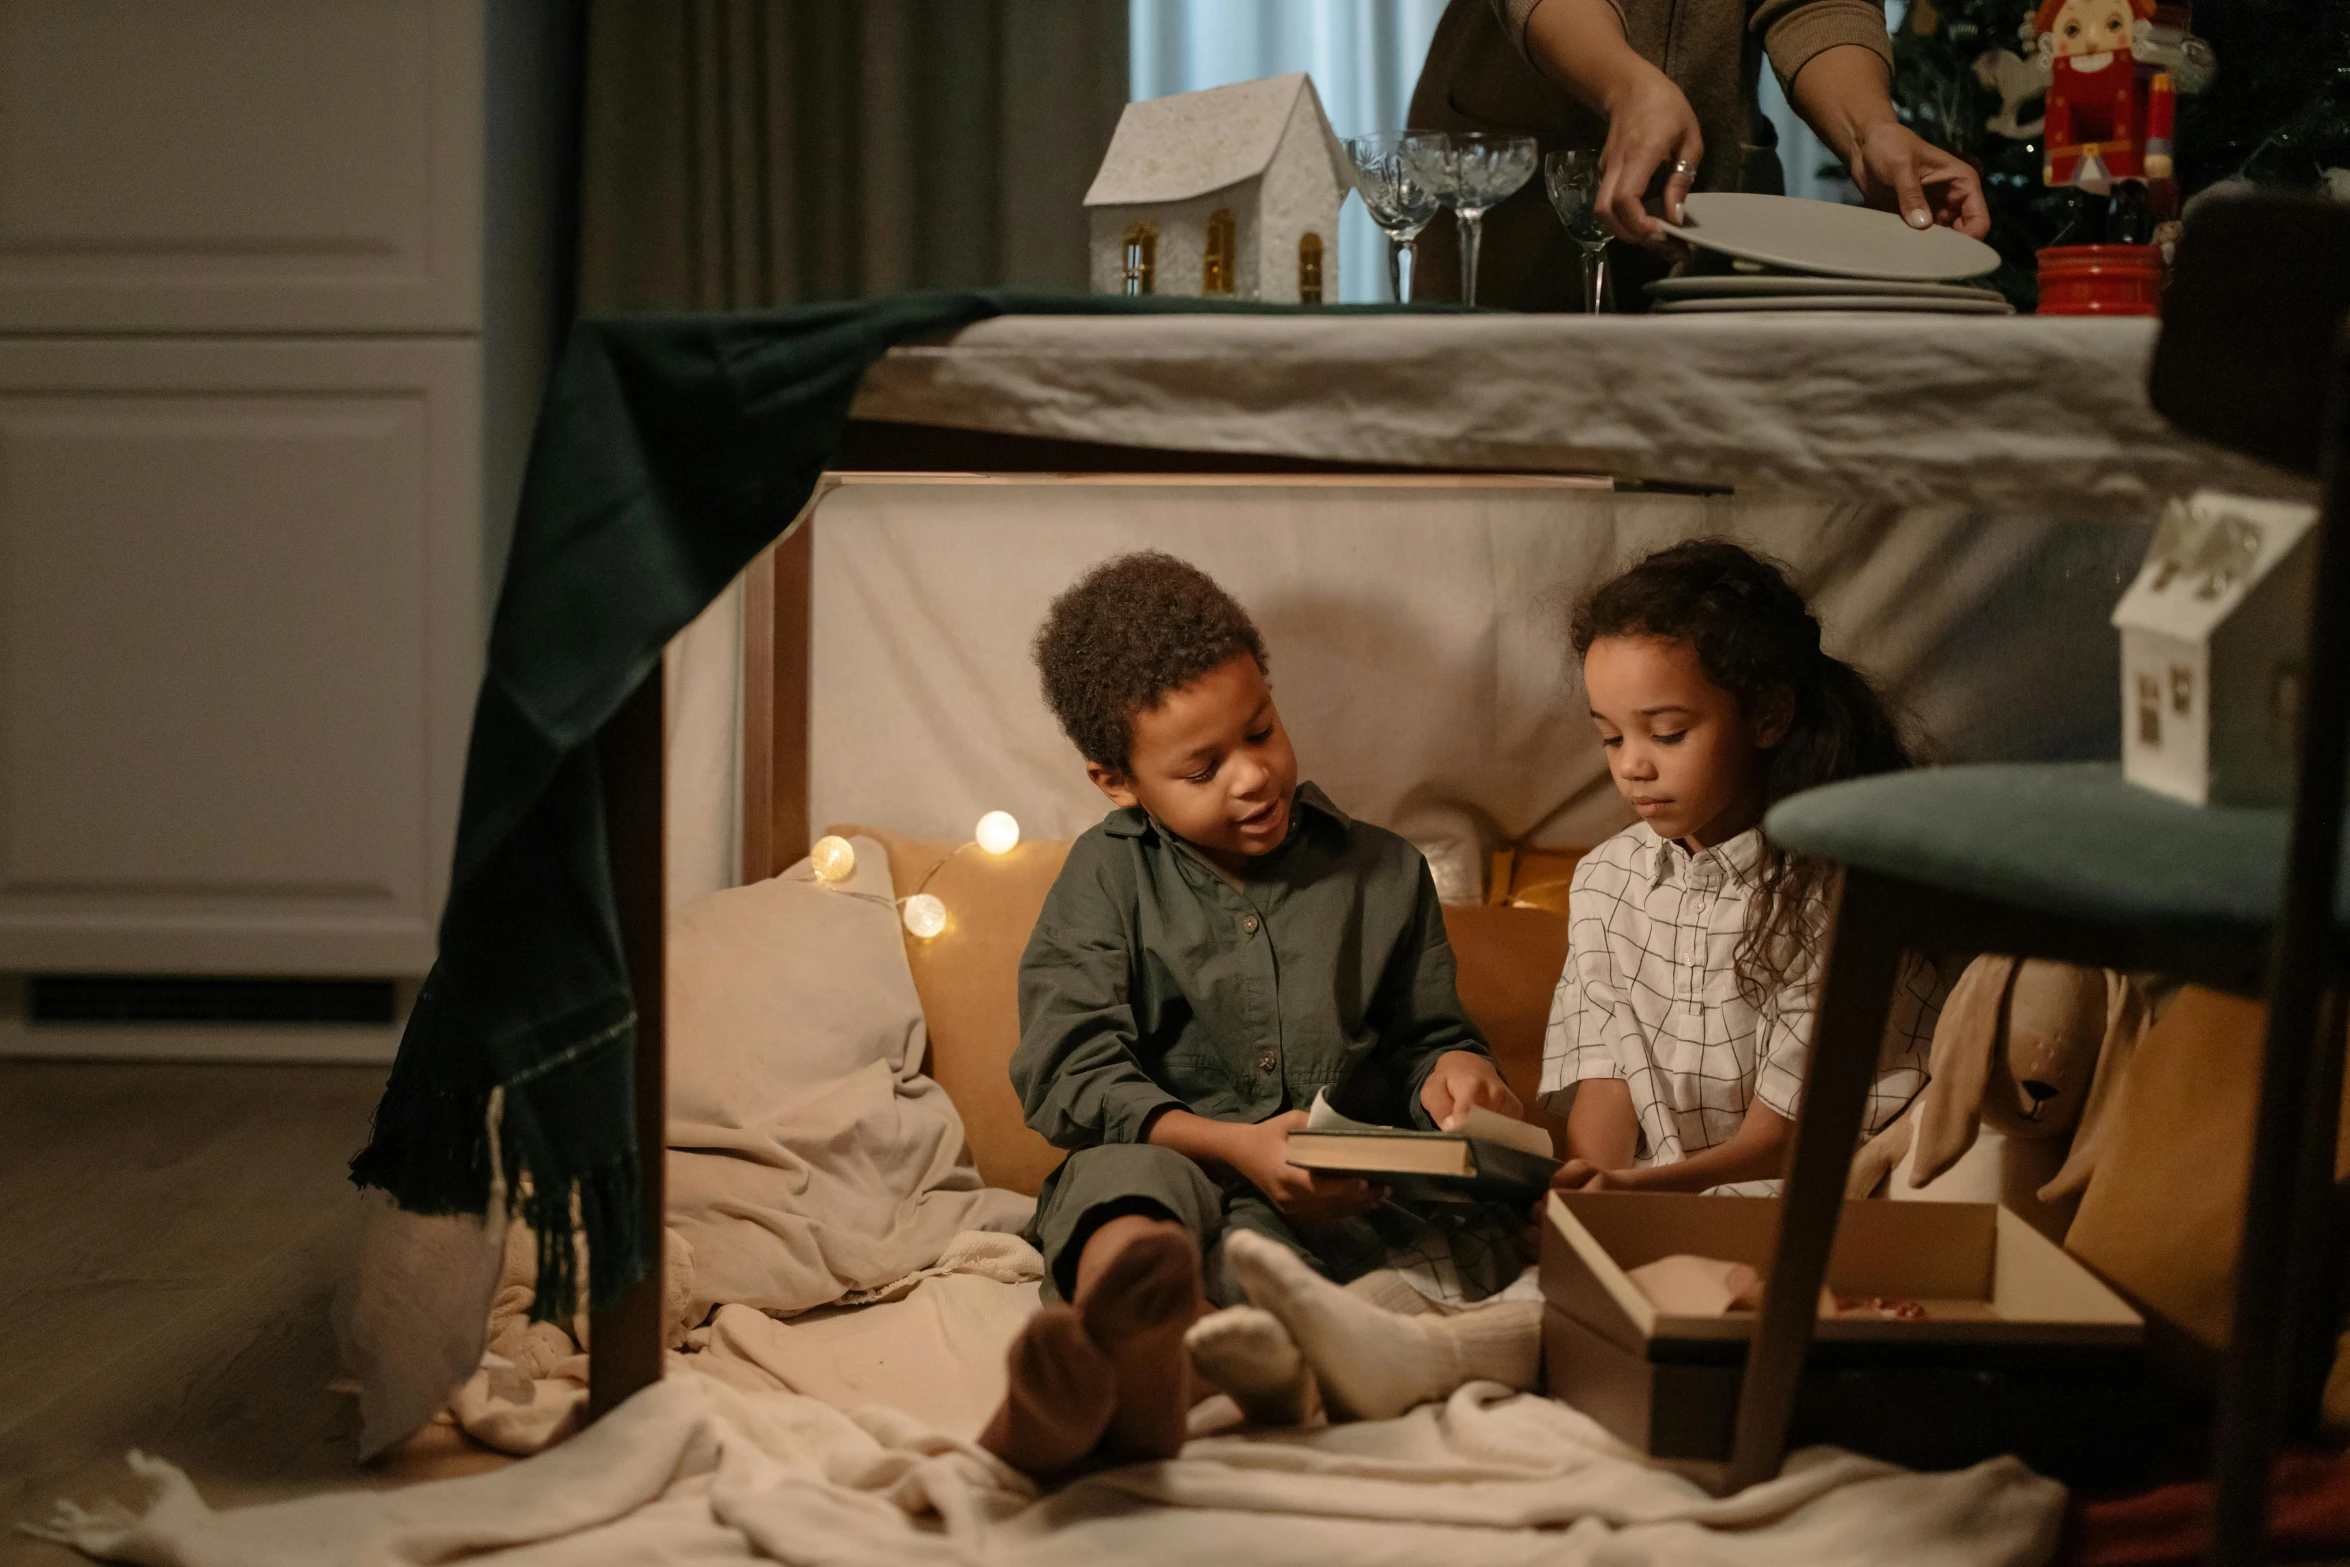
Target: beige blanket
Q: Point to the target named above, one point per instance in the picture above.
(930, 1345)
(694, 1470)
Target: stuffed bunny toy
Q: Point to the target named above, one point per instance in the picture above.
(2033, 1051)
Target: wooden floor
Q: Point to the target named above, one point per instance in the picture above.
(170, 1239)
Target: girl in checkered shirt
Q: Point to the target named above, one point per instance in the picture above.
(1678, 1034)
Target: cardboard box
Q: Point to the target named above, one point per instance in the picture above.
(2023, 1350)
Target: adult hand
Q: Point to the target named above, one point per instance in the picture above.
(1261, 1153)
(1579, 1175)
(1461, 1080)
(1900, 171)
(1649, 126)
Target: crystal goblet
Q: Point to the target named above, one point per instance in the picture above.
(1571, 178)
(1403, 178)
(1487, 169)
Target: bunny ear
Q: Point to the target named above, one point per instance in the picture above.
(2125, 1024)
(1960, 1067)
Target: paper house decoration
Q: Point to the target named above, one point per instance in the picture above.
(1231, 191)
(2214, 645)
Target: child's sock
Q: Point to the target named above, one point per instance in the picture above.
(1062, 1392)
(1375, 1364)
(1137, 1308)
(1250, 1355)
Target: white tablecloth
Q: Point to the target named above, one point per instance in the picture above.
(2033, 416)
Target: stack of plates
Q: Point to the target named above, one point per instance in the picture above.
(1788, 254)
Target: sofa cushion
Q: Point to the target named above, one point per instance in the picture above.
(1509, 961)
(968, 979)
(968, 976)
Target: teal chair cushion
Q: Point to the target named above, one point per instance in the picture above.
(2066, 839)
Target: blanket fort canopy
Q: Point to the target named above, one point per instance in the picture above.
(672, 449)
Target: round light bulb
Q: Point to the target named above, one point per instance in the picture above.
(833, 859)
(924, 915)
(997, 832)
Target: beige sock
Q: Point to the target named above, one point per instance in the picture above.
(1250, 1355)
(1374, 1364)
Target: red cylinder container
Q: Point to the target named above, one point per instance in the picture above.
(2101, 280)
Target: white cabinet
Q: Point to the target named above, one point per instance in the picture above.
(240, 594)
(265, 394)
(206, 165)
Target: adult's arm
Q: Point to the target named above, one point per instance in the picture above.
(1837, 64)
(1581, 45)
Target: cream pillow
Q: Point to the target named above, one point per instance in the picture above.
(782, 985)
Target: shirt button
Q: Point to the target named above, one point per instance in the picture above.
(1266, 1061)
(1249, 924)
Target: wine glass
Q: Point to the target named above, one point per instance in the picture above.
(1572, 180)
(1403, 177)
(1487, 169)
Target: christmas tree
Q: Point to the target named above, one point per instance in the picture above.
(2277, 113)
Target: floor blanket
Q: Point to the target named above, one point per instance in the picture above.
(693, 1470)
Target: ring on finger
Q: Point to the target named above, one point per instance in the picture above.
(1682, 168)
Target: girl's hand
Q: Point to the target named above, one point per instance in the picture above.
(1261, 1153)
(1462, 1080)
(1649, 125)
(1581, 1175)
(1900, 171)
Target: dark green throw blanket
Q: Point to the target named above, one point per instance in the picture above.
(669, 452)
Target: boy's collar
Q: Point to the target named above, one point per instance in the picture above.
(1132, 821)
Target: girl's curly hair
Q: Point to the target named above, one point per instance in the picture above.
(1755, 638)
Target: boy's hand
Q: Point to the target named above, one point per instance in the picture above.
(1261, 1152)
(1460, 1080)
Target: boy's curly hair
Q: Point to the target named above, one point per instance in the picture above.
(1128, 632)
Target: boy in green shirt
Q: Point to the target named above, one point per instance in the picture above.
(1226, 942)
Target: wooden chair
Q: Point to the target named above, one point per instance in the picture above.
(2071, 862)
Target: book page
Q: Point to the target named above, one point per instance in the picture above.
(1478, 1123)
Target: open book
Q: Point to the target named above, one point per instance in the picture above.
(1487, 1158)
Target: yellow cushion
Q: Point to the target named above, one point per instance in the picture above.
(2164, 1212)
(1509, 961)
(968, 979)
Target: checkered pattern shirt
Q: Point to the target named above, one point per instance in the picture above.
(1650, 995)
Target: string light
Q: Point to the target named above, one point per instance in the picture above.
(833, 859)
(998, 832)
(925, 915)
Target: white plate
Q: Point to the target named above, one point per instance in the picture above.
(1838, 304)
(1719, 287)
(1841, 304)
(1827, 237)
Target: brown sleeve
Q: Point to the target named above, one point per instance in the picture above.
(1513, 15)
(1793, 31)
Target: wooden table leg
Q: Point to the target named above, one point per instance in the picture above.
(624, 1336)
(1856, 995)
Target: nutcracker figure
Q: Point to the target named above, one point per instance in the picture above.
(2105, 101)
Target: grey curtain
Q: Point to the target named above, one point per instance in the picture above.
(756, 152)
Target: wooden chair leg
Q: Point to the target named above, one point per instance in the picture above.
(624, 1336)
(2314, 1260)
(1856, 996)
(2306, 945)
